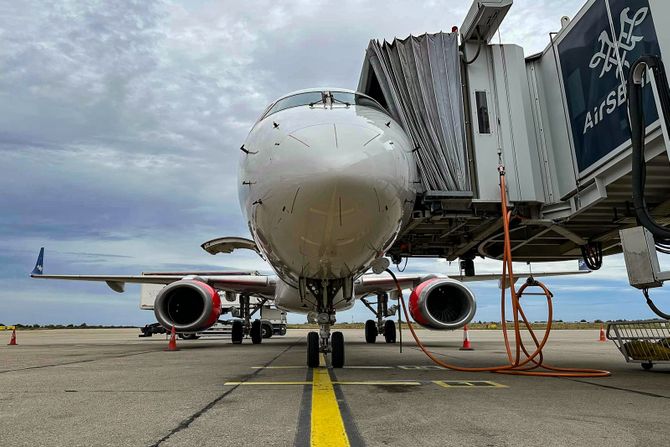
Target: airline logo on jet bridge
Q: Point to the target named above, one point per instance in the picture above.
(613, 51)
(626, 42)
(595, 56)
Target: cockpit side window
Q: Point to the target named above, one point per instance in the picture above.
(343, 98)
(369, 102)
(356, 99)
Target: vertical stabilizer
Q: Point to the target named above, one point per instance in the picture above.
(39, 265)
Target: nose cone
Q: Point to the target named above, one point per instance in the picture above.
(338, 200)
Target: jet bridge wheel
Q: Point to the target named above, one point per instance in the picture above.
(389, 331)
(313, 349)
(370, 331)
(256, 332)
(237, 332)
(337, 346)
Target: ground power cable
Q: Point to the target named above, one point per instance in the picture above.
(527, 364)
(638, 70)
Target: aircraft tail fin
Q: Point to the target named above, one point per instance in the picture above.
(39, 265)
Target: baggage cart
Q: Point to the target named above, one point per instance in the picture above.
(646, 342)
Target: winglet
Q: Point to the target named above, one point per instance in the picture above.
(39, 265)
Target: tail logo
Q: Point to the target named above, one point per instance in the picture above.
(39, 265)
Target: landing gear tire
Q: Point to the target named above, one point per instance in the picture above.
(337, 346)
(256, 332)
(647, 366)
(389, 331)
(370, 331)
(313, 349)
(267, 331)
(237, 332)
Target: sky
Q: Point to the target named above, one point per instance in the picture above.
(120, 128)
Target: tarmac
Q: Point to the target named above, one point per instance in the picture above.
(91, 387)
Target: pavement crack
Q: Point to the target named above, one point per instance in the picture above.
(78, 361)
(628, 390)
(188, 421)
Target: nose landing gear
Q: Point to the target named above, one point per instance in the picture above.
(324, 342)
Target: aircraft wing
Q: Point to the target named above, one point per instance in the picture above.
(496, 276)
(239, 282)
(384, 283)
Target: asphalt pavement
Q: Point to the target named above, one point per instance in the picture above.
(93, 387)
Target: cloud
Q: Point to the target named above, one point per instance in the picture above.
(121, 122)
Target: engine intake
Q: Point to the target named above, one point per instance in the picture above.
(188, 305)
(442, 303)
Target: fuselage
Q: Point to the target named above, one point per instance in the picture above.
(326, 183)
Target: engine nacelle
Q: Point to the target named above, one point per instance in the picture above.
(188, 304)
(442, 303)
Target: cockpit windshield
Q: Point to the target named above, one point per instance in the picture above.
(319, 98)
(301, 99)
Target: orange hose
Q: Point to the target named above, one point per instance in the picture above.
(517, 365)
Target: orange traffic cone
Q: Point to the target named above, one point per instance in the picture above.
(172, 344)
(602, 333)
(466, 340)
(12, 341)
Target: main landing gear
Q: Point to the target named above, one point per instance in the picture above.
(384, 327)
(245, 326)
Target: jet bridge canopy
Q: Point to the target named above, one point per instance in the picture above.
(418, 79)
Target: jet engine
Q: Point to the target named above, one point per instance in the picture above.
(188, 304)
(442, 303)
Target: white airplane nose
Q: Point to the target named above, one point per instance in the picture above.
(338, 202)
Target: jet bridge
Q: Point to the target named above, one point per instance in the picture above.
(557, 119)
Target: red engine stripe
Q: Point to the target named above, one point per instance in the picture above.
(216, 303)
(414, 299)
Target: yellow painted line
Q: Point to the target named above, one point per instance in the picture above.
(380, 382)
(322, 360)
(487, 384)
(448, 385)
(268, 383)
(471, 384)
(278, 367)
(327, 427)
(481, 384)
(363, 382)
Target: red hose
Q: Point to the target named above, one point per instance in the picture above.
(517, 365)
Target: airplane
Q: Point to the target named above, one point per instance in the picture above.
(326, 183)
